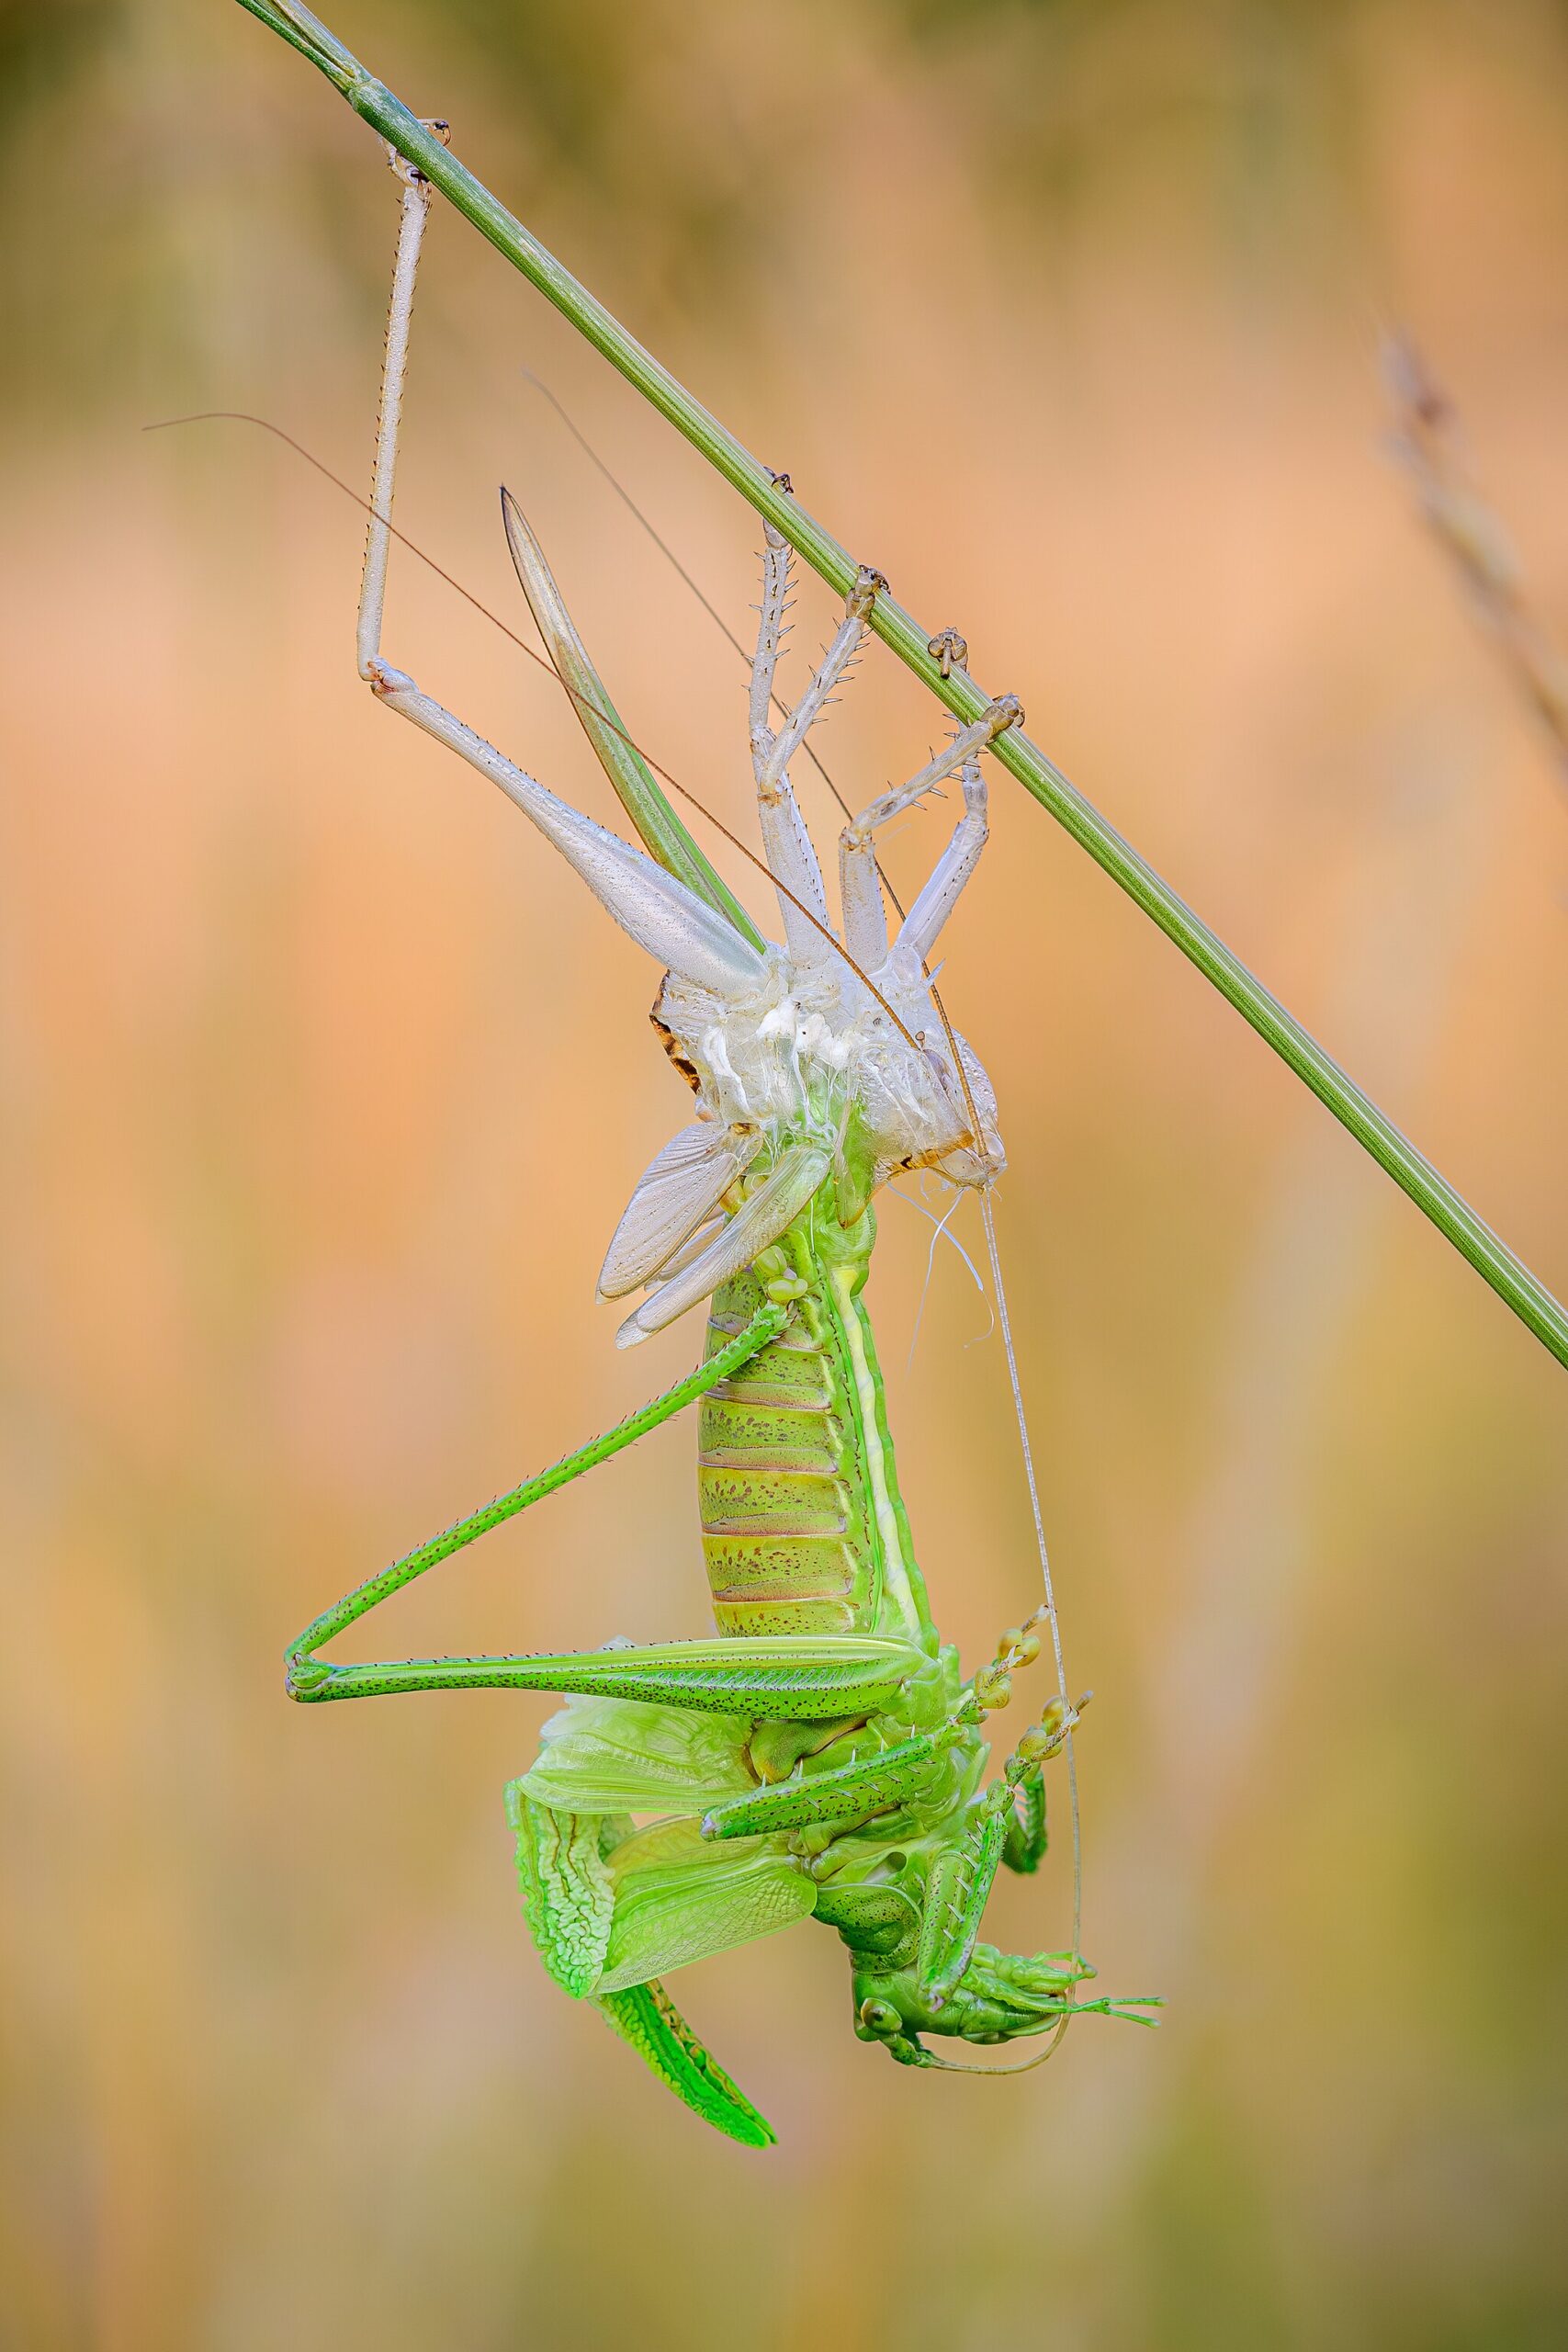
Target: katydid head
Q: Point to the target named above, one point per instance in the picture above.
(1000, 1996)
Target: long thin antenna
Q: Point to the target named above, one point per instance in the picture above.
(629, 502)
(1053, 2041)
(988, 1217)
(544, 661)
(668, 552)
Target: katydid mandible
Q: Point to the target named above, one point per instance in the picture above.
(823, 1756)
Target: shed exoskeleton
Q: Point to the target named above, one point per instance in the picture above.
(824, 1755)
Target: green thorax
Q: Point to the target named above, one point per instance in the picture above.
(803, 1526)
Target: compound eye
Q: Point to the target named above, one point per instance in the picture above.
(881, 2018)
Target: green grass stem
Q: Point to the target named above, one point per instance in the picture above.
(1432, 1194)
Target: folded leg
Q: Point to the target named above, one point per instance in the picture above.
(681, 924)
(865, 931)
(313, 1677)
(790, 854)
(786, 844)
(845, 1792)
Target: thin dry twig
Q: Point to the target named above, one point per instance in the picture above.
(1428, 441)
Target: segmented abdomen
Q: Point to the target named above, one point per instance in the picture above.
(783, 1509)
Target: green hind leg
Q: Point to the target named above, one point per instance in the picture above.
(802, 1678)
(791, 1681)
(304, 1680)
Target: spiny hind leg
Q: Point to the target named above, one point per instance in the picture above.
(394, 686)
(803, 1679)
(391, 685)
(806, 1680)
(672, 914)
(394, 374)
(308, 1676)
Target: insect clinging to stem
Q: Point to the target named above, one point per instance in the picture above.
(824, 1755)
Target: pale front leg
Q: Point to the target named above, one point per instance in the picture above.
(786, 844)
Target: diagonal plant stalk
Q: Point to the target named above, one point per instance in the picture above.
(1529, 1299)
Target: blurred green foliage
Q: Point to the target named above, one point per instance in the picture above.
(40, 40)
(666, 148)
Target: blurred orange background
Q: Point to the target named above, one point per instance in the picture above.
(325, 1089)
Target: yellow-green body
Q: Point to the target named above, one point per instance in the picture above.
(804, 1530)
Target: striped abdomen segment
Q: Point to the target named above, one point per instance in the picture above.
(778, 1513)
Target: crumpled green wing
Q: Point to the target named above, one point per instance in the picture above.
(645, 2016)
(567, 1894)
(678, 1896)
(624, 1755)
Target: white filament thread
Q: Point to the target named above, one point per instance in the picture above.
(988, 1217)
